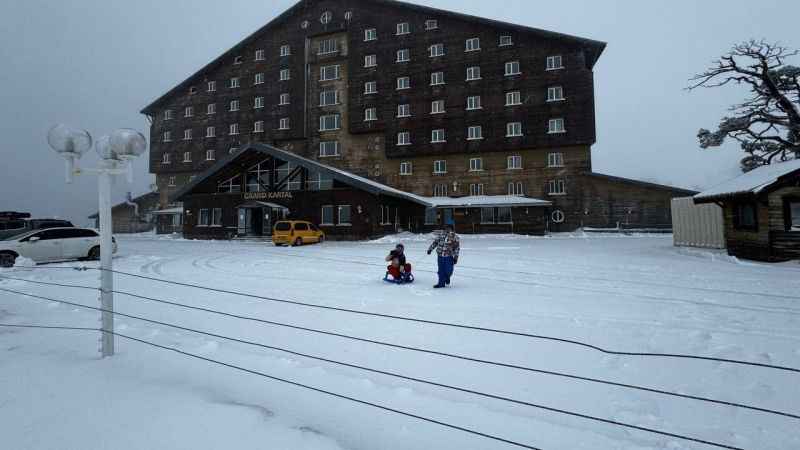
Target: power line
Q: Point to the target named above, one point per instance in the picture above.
(423, 350)
(546, 408)
(469, 327)
(304, 386)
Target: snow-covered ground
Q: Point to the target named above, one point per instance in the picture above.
(634, 293)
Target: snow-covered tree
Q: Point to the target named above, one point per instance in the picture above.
(767, 123)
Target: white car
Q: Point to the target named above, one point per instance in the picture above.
(52, 244)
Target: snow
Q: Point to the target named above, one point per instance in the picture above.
(751, 182)
(630, 293)
(477, 201)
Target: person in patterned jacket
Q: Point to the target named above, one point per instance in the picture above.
(447, 248)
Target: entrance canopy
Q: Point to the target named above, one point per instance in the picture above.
(257, 204)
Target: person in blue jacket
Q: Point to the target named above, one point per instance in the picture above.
(447, 247)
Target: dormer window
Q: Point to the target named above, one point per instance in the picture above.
(237, 60)
(505, 41)
(431, 24)
(192, 90)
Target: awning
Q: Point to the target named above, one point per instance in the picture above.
(257, 204)
(170, 211)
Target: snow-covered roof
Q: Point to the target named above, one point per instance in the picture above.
(178, 210)
(753, 182)
(480, 201)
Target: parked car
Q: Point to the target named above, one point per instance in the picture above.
(296, 232)
(52, 244)
(14, 227)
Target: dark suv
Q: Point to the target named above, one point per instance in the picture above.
(13, 227)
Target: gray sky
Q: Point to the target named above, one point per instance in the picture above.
(96, 63)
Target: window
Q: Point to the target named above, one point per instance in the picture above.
(258, 126)
(404, 138)
(437, 136)
(258, 102)
(473, 73)
(370, 61)
(171, 182)
(555, 160)
(211, 155)
(403, 83)
(476, 189)
(472, 44)
(504, 215)
(188, 111)
(437, 50)
(505, 41)
(167, 136)
(745, 216)
(286, 50)
(406, 168)
(165, 158)
(792, 214)
(440, 190)
(233, 150)
(237, 60)
(168, 114)
(386, 217)
(328, 148)
(230, 186)
(329, 122)
(515, 188)
(258, 177)
(211, 108)
(192, 90)
(259, 78)
(440, 166)
(556, 126)
(512, 68)
(283, 123)
(370, 114)
(404, 110)
(187, 157)
(474, 102)
(555, 94)
(327, 98)
(203, 219)
(318, 182)
(371, 87)
(437, 107)
(431, 24)
(233, 129)
(234, 82)
(284, 99)
(404, 55)
(370, 34)
(487, 215)
(216, 217)
(514, 162)
(513, 129)
(260, 55)
(476, 164)
(554, 62)
(557, 216)
(437, 78)
(211, 132)
(474, 132)
(211, 86)
(328, 46)
(344, 215)
(234, 105)
(327, 215)
(285, 75)
(403, 28)
(556, 187)
(187, 134)
(513, 98)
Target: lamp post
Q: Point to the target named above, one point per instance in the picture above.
(117, 152)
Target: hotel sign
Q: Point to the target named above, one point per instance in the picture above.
(268, 196)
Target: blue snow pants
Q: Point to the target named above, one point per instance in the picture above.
(445, 269)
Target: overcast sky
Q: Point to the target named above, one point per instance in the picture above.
(96, 63)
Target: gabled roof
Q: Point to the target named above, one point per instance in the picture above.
(639, 183)
(359, 182)
(597, 47)
(751, 183)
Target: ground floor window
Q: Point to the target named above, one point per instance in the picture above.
(327, 215)
(745, 217)
(504, 215)
(793, 214)
(430, 216)
(344, 215)
(386, 219)
(487, 215)
(203, 219)
(496, 215)
(216, 217)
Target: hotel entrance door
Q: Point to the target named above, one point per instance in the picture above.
(257, 219)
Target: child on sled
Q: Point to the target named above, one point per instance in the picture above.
(398, 271)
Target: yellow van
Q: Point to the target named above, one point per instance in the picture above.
(296, 232)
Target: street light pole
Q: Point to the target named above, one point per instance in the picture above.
(117, 153)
